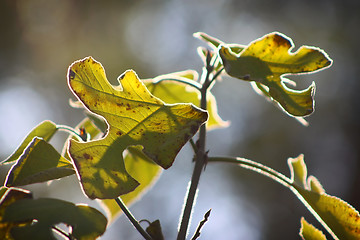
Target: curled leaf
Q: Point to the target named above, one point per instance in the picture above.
(267, 60)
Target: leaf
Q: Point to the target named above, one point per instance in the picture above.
(309, 232)
(214, 43)
(339, 217)
(154, 230)
(86, 222)
(134, 117)
(145, 171)
(175, 92)
(267, 60)
(44, 130)
(40, 162)
(9, 196)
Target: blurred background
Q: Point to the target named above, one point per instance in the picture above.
(39, 39)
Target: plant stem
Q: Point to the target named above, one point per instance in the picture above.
(181, 80)
(132, 219)
(200, 161)
(62, 232)
(70, 130)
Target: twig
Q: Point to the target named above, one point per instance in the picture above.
(201, 224)
(132, 219)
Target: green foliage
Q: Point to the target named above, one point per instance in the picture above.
(85, 222)
(40, 162)
(133, 131)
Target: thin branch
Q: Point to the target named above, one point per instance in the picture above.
(200, 161)
(132, 219)
(201, 224)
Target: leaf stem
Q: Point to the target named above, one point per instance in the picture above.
(256, 167)
(70, 130)
(132, 219)
(181, 80)
(200, 161)
(62, 232)
(282, 179)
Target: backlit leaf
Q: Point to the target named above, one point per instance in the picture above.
(134, 117)
(267, 60)
(145, 171)
(44, 130)
(40, 162)
(86, 222)
(176, 92)
(309, 232)
(338, 215)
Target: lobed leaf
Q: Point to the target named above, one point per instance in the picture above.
(144, 170)
(267, 60)
(86, 222)
(40, 162)
(309, 232)
(134, 117)
(44, 130)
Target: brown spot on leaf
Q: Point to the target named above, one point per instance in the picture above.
(119, 133)
(87, 156)
(281, 41)
(71, 74)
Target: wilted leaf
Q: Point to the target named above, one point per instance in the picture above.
(85, 222)
(40, 162)
(175, 92)
(44, 130)
(309, 232)
(145, 171)
(267, 60)
(134, 117)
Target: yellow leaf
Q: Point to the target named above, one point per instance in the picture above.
(309, 232)
(134, 117)
(267, 60)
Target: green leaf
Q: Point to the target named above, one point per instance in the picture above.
(309, 232)
(40, 162)
(176, 92)
(44, 130)
(9, 196)
(267, 60)
(339, 217)
(85, 222)
(145, 171)
(134, 117)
